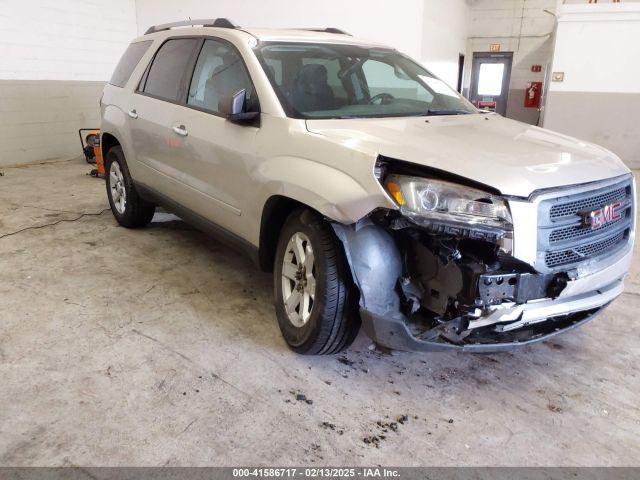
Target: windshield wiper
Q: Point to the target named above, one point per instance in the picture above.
(447, 112)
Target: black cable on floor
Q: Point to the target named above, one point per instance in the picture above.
(35, 227)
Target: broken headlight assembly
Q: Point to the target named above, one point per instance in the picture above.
(451, 209)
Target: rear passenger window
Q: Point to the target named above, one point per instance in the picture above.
(128, 62)
(219, 73)
(168, 74)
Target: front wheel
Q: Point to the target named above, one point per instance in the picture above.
(314, 294)
(127, 206)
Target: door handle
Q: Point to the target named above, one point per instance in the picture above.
(133, 113)
(181, 130)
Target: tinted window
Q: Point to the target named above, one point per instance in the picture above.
(220, 73)
(128, 62)
(166, 77)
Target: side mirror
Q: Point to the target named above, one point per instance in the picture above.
(235, 108)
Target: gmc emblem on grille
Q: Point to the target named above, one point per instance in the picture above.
(598, 218)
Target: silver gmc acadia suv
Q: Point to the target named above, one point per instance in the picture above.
(376, 194)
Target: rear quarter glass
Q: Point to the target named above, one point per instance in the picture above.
(128, 62)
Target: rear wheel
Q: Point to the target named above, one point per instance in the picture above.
(314, 294)
(128, 207)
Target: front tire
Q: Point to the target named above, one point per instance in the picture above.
(127, 206)
(314, 293)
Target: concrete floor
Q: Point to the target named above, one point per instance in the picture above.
(160, 347)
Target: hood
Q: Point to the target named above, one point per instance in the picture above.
(512, 157)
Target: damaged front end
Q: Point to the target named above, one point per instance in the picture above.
(438, 274)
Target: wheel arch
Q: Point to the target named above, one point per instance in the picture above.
(276, 210)
(342, 195)
(107, 142)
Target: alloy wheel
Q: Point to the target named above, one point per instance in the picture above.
(118, 190)
(298, 279)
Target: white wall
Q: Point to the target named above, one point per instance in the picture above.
(63, 39)
(444, 37)
(394, 23)
(55, 57)
(598, 48)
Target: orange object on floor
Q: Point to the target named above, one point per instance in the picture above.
(91, 148)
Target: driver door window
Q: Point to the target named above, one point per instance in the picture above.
(219, 74)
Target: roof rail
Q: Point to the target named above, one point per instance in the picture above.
(327, 30)
(211, 22)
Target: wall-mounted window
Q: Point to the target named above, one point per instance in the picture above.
(490, 79)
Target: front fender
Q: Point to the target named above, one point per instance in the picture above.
(332, 192)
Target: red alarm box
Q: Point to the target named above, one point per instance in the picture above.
(533, 95)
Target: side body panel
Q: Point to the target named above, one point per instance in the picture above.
(153, 143)
(215, 162)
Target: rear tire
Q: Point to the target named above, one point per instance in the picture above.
(127, 206)
(314, 293)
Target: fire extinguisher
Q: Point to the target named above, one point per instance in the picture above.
(532, 95)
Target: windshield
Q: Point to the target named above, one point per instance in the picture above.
(348, 81)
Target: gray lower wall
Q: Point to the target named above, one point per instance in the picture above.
(39, 119)
(608, 119)
(516, 109)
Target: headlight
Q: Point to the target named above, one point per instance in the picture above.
(429, 202)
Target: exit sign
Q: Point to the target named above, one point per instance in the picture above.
(536, 68)
(494, 47)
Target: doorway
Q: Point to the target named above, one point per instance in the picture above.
(490, 75)
(460, 72)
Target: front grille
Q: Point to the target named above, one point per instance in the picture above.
(563, 257)
(578, 231)
(563, 239)
(590, 203)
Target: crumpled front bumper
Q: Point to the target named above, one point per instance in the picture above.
(376, 265)
(538, 318)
